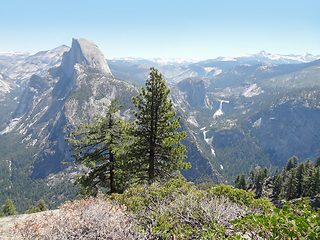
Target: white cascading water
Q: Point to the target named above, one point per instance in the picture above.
(207, 140)
(219, 111)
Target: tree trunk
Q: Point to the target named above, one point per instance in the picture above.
(112, 183)
(151, 161)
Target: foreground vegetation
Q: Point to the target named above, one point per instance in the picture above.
(174, 210)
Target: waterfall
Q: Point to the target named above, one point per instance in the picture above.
(219, 111)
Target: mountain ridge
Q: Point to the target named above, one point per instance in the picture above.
(63, 99)
(31, 64)
(220, 112)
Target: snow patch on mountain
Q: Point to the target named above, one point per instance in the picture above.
(158, 61)
(172, 61)
(263, 56)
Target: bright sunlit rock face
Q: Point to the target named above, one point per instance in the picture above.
(84, 51)
(4, 86)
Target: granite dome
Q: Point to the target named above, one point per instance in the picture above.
(86, 52)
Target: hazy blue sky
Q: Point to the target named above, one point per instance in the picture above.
(189, 29)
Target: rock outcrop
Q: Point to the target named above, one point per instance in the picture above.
(4, 86)
(288, 129)
(194, 91)
(84, 52)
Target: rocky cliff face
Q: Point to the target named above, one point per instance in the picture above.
(194, 90)
(52, 106)
(84, 52)
(4, 86)
(288, 129)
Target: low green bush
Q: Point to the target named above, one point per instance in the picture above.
(294, 221)
(177, 208)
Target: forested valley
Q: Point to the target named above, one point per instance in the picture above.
(131, 186)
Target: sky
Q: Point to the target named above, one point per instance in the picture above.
(195, 29)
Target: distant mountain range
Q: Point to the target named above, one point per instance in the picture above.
(175, 70)
(260, 57)
(239, 112)
(21, 66)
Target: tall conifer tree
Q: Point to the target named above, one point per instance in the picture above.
(98, 148)
(157, 151)
(289, 187)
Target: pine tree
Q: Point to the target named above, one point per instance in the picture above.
(289, 187)
(259, 177)
(289, 164)
(277, 186)
(265, 170)
(157, 151)
(318, 162)
(237, 181)
(98, 148)
(295, 161)
(315, 181)
(251, 174)
(41, 206)
(306, 178)
(300, 173)
(241, 182)
(8, 208)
